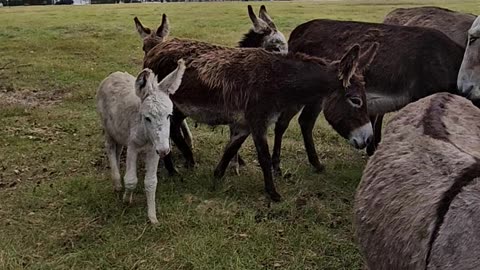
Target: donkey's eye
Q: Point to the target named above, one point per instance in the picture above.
(356, 102)
(148, 119)
(471, 40)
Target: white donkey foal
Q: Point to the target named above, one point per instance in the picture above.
(135, 113)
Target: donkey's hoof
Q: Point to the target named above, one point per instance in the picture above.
(117, 189)
(319, 168)
(241, 162)
(218, 174)
(153, 220)
(128, 197)
(277, 172)
(189, 164)
(173, 172)
(274, 196)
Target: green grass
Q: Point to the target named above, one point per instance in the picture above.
(57, 208)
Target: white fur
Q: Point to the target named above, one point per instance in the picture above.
(135, 114)
(361, 136)
(469, 75)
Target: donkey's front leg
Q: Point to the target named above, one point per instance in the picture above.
(259, 133)
(307, 120)
(130, 174)
(151, 164)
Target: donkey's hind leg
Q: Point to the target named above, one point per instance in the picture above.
(307, 120)
(239, 136)
(112, 149)
(280, 128)
(236, 161)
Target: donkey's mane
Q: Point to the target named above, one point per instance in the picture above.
(251, 39)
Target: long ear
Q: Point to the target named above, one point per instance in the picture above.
(259, 25)
(172, 81)
(264, 16)
(141, 87)
(164, 28)
(367, 57)
(348, 64)
(143, 31)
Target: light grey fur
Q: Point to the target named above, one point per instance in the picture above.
(405, 180)
(469, 74)
(135, 113)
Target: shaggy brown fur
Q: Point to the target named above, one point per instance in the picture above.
(250, 87)
(452, 23)
(415, 196)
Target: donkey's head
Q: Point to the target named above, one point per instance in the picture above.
(264, 33)
(346, 108)
(152, 38)
(469, 74)
(156, 106)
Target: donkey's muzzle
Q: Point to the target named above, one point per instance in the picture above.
(362, 136)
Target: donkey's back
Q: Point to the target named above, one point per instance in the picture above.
(116, 102)
(452, 23)
(416, 206)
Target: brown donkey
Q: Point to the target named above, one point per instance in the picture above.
(418, 204)
(249, 88)
(263, 34)
(412, 62)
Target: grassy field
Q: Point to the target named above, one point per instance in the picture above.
(57, 208)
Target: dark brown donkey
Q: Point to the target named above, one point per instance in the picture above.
(412, 62)
(249, 88)
(452, 23)
(263, 34)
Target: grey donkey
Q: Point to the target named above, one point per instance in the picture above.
(418, 203)
(136, 113)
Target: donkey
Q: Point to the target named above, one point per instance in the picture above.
(248, 88)
(135, 113)
(413, 62)
(263, 34)
(417, 205)
(452, 23)
(469, 74)
(150, 39)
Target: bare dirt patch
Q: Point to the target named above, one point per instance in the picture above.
(15, 96)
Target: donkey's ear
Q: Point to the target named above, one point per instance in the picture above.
(264, 16)
(367, 57)
(164, 28)
(259, 26)
(172, 81)
(348, 64)
(143, 31)
(141, 84)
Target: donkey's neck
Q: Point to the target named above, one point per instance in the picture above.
(304, 81)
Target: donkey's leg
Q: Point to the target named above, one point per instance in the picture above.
(236, 141)
(151, 165)
(307, 120)
(168, 160)
(112, 148)
(259, 134)
(176, 135)
(187, 135)
(377, 133)
(280, 128)
(119, 154)
(130, 174)
(235, 162)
